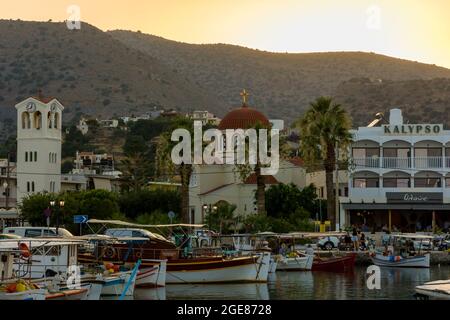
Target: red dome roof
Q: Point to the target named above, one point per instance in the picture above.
(243, 118)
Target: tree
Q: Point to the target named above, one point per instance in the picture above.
(245, 170)
(324, 129)
(165, 165)
(221, 219)
(135, 171)
(99, 204)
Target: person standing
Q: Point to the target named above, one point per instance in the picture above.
(355, 238)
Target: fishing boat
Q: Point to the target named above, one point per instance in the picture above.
(150, 275)
(185, 263)
(436, 290)
(295, 261)
(402, 253)
(332, 263)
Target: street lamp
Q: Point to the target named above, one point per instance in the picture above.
(6, 193)
(60, 206)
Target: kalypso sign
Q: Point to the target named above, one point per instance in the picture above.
(413, 129)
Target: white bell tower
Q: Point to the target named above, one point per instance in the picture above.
(39, 122)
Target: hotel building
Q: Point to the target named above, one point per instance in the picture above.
(399, 177)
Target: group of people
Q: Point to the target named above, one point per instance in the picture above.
(355, 239)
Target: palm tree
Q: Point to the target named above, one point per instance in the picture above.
(165, 166)
(324, 129)
(135, 171)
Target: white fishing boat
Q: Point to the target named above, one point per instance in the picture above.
(116, 283)
(402, 253)
(37, 294)
(152, 276)
(240, 269)
(296, 262)
(436, 290)
(42, 257)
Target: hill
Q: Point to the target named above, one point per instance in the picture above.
(422, 101)
(89, 71)
(281, 84)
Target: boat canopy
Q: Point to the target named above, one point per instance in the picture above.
(38, 242)
(309, 235)
(137, 225)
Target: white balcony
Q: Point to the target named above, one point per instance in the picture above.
(420, 163)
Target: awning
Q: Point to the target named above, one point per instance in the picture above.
(395, 206)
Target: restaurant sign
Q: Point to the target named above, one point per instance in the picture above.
(414, 197)
(413, 129)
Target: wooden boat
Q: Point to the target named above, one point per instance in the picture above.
(406, 258)
(436, 290)
(334, 264)
(219, 270)
(200, 265)
(299, 262)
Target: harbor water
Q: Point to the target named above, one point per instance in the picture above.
(396, 284)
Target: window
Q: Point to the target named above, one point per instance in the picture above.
(28, 186)
(447, 182)
(427, 182)
(56, 124)
(26, 156)
(35, 156)
(32, 186)
(396, 183)
(31, 156)
(50, 157)
(366, 183)
(49, 120)
(26, 123)
(38, 120)
(49, 232)
(32, 233)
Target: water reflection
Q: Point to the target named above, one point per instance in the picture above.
(396, 284)
(251, 291)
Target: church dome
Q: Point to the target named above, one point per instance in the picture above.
(243, 117)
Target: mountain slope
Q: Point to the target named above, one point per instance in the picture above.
(89, 71)
(281, 84)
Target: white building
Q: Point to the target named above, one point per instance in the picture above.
(38, 146)
(205, 117)
(399, 177)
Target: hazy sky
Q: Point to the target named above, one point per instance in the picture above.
(411, 29)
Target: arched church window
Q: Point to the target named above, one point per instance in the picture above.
(26, 120)
(56, 124)
(49, 120)
(38, 120)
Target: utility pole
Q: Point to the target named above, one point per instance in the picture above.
(338, 218)
(7, 183)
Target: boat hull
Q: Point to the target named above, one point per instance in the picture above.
(152, 276)
(436, 290)
(77, 294)
(422, 261)
(243, 269)
(336, 264)
(296, 263)
(115, 285)
(38, 294)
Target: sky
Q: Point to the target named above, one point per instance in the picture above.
(416, 30)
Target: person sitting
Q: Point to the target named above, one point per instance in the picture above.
(309, 250)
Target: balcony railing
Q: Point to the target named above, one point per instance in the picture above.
(427, 162)
(396, 163)
(402, 163)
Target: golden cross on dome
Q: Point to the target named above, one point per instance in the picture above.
(244, 95)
